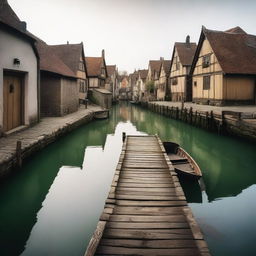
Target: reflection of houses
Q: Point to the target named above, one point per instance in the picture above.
(97, 75)
(180, 82)
(141, 83)
(73, 56)
(224, 67)
(133, 85)
(59, 90)
(124, 88)
(112, 81)
(19, 73)
(163, 79)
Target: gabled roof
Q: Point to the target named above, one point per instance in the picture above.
(70, 54)
(186, 52)
(143, 73)
(50, 62)
(234, 49)
(111, 69)
(94, 65)
(155, 65)
(9, 18)
(166, 64)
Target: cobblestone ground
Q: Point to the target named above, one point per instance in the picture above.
(245, 109)
(49, 127)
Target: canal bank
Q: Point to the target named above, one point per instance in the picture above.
(236, 121)
(52, 205)
(18, 146)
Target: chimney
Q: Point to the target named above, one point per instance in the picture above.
(67, 42)
(103, 54)
(188, 41)
(23, 26)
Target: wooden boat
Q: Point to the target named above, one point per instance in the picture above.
(102, 114)
(183, 163)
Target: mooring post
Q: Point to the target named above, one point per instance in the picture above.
(18, 153)
(124, 136)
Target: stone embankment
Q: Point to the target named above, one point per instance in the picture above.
(234, 120)
(20, 145)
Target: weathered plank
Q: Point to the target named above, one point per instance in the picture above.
(146, 212)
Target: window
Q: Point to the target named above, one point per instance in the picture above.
(206, 82)
(82, 87)
(103, 71)
(195, 83)
(174, 81)
(206, 61)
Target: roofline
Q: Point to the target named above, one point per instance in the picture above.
(58, 74)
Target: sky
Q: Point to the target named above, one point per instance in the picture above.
(132, 32)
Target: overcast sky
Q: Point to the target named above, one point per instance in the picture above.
(131, 31)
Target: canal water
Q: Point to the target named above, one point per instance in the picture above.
(52, 205)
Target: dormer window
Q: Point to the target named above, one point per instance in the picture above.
(206, 60)
(102, 71)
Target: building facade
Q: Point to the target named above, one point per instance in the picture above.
(163, 80)
(180, 86)
(224, 68)
(19, 73)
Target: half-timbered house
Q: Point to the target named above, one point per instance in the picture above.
(224, 67)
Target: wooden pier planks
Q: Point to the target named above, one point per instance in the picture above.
(146, 212)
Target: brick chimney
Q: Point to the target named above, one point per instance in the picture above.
(188, 41)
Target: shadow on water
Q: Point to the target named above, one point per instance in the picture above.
(51, 206)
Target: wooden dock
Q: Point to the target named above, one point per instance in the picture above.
(146, 212)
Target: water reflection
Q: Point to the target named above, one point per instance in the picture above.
(49, 208)
(70, 212)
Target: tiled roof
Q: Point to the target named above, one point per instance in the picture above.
(167, 66)
(9, 17)
(155, 66)
(235, 50)
(143, 73)
(93, 65)
(50, 62)
(111, 69)
(70, 54)
(186, 52)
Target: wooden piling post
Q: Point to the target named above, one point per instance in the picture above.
(123, 136)
(18, 153)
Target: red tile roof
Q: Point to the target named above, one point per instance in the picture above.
(94, 65)
(234, 49)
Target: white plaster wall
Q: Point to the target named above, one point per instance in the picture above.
(12, 46)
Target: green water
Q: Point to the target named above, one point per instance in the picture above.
(51, 206)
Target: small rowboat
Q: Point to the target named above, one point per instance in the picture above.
(183, 163)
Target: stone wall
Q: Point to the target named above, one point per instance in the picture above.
(102, 97)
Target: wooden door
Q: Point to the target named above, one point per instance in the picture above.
(12, 102)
